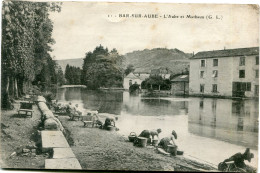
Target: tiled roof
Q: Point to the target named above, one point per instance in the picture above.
(137, 76)
(131, 76)
(227, 53)
(143, 76)
(181, 78)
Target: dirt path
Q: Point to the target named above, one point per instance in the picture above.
(18, 133)
(98, 149)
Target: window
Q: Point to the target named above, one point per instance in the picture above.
(214, 88)
(215, 62)
(130, 82)
(201, 104)
(215, 73)
(203, 63)
(202, 74)
(257, 74)
(236, 106)
(257, 60)
(214, 105)
(245, 86)
(248, 86)
(242, 61)
(257, 90)
(202, 88)
(242, 74)
(247, 110)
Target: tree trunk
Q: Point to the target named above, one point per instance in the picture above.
(28, 85)
(5, 95)
(20, 87)
(15, 88)
(7, 85)
(11, 87)
(159, 88)
(24, 86)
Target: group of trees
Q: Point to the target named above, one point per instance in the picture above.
(73, 75)
(156, 82)
(26, 43)
(102, 68)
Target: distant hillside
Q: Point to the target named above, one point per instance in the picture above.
(147, 60)
(72, 62)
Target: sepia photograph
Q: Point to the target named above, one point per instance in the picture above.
(129, 86)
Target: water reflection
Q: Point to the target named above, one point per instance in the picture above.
(137, 105)
(108, 102)
(222, 119)
(103, 101)
(235, 121)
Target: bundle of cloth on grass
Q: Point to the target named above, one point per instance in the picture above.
(58, 107)
(74, 112)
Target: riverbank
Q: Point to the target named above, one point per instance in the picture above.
(19, 139)
(94, 148)
(98, 149)
(73, 86)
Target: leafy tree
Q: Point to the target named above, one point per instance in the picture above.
(156, 82)
(59, 74)
(68, 75)
(73, 75)
(26, 41)
(130, 68)
(102, 68)
(133, 88)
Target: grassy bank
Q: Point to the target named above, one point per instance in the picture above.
(98, 149)
(19, 133)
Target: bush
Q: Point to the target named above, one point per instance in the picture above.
(134, 87)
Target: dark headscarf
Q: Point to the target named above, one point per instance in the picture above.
(248, 154)
(159, 131)
(174, 134)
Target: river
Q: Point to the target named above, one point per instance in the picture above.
(209, 129)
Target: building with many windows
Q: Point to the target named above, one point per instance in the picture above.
(228, 72)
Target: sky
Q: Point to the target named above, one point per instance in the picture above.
(82, 26)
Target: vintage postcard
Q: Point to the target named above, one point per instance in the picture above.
(129, 86)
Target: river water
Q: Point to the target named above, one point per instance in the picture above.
(209, 129)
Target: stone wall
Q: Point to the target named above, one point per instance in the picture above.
(53, 139)
(48, 119)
